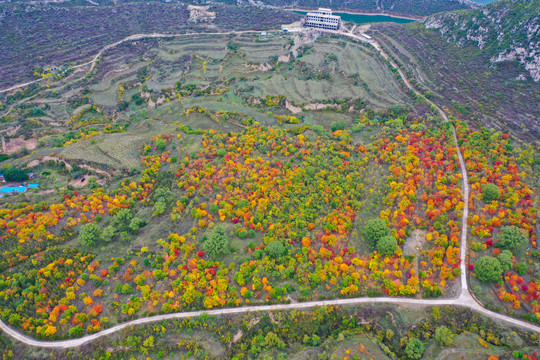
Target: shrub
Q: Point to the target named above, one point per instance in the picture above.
(414, 349)
(488, 268)
(275, 249)
(338, 125)
(521, 268)
(512, 237)
(108, 233)
(160, 144)
(221, 152)
(135, 224)
(490, 192)
(218, 243)
(444, 336)
(387, 246)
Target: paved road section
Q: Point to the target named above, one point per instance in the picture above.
(465, 299)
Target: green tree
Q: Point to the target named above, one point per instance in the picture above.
(89, 234)
(490, 192)
(505, 258)
(488, 268)
(135, 224)
(159, 208)
(160, 144)
(275, 249)
(122, 218)
(338, 125)
(376, 229)
(77, 331)
(512, 237)
(414, 349)
(108, 233)
(387, 245)
(218, 243)
(213, 208)
(15, 174)
(221, 153)
(521, 268)
(444, 336)
(272, 340)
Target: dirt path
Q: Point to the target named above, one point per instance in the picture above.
(464, 299)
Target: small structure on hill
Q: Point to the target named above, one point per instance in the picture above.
(367, 37)
(322, 19)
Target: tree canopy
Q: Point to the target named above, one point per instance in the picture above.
(488, 268)
(89, 234)
(511, 237)
(218, 243)
(15, 174)
(444, 336)
(505, 258)
(376, 229)
(275, 249)
(414, 349)
(387, 245)
(490, 192)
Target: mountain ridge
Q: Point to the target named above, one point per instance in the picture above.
(507, 30)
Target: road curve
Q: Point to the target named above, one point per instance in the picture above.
(465, 299)
(62, 344)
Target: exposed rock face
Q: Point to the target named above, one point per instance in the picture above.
(507, 30)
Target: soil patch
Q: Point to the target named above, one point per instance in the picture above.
(294, 109)
(17, 144)
(413, 244)
(319, 106)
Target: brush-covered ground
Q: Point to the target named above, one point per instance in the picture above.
(228, 170)
(374, 332)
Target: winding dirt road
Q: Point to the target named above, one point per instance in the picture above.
(465, 299)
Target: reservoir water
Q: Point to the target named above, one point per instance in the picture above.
(365, 19)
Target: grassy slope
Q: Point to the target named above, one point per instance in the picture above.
(47, 35)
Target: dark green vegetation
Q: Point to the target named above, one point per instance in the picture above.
(15, 174)
(488, 268)
(375, 332)
(37, 37)
(469, 62)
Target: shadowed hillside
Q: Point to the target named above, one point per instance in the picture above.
(483, 64)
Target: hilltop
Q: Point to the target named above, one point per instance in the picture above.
(46, 35)
(395, 7)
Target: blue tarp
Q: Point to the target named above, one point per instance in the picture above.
(13, 189)
(30, 186)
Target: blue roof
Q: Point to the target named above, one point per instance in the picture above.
(33, 185)
(12, 189)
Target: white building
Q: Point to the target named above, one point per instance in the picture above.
(367, 37)
(322, 19)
